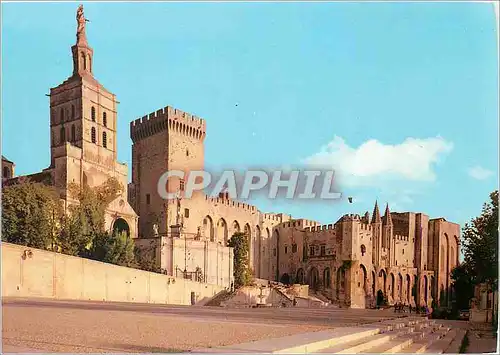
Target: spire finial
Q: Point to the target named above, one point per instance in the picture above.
(376, 214)
(387, 220)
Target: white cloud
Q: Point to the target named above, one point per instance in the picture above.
(479, 173)
(374, 162)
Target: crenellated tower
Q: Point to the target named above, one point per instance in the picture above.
(165, 140)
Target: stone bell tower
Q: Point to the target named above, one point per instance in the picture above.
(83, 124)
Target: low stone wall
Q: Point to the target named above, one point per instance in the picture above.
(29, 272)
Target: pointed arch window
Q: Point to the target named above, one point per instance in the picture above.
(93, 135)
(104, 140)
(104, 119)
(92, 113)
(63, 135)
(84, 61)
(73, 133)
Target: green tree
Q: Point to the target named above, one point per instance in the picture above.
(242, 273)
(31, 215)
(480, 243)
(85, 220)
(116, 248)
(463, 284)
(146, 258)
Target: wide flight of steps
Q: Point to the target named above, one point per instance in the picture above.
(418, 335)
(403, 335)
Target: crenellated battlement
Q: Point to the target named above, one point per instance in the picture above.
(320, 228)
(366, 227)
(271, 217)
(231, 203)
(403, 238)
(350, 217)
(168, 119)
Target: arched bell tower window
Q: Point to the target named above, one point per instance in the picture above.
(63, 135)
(84, 61)
(92, 113)
(93, 135)
(104, 140)
(104, 119)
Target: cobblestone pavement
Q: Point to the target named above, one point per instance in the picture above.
(98, 327)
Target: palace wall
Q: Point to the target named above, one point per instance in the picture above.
(29, 272)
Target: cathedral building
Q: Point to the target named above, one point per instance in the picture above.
(83, 123)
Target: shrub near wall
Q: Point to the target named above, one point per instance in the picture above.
(29, 272)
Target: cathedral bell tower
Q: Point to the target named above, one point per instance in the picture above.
(83, 117)
(83, 126)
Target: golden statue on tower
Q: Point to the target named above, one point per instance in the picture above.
(80, 21)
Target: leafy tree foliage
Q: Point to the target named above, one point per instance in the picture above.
(480, 243)
(480, 246)
(117, 248)
(31, 215)
(463, 283)
(242, 273)
(84, 222)
(146, 258)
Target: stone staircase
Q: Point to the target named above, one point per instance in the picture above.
(219, 298)
(403, 335)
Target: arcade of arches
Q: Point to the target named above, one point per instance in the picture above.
(395, 286)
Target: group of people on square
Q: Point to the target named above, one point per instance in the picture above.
(404, 308)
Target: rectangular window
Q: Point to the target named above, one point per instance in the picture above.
(186, 212)
(294, 248)
(323, 250)
(148, 199)
(286, 249)
(181, 185)
(311, 250)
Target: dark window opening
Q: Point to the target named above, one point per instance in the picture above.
(104, 140)
(93, 135)
(148, 199)
(186, 212)
(104, 119)
(311, 250)
(63, 135)
(294, 248)
(323, 250)
(92, 113)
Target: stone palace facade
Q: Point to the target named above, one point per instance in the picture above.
(406, 256)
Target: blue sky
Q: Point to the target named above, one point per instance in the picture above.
(401, 97)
